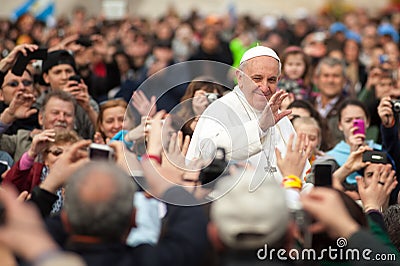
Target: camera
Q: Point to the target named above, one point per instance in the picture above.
(85, 41)
(396, 106)
(211, 97)
(375, 157)
(148, 123)
(101, 152)
(22, 61)
(218, 167)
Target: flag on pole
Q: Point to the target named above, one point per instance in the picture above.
(42, 10)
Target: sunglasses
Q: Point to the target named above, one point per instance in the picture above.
(15, 83)
(56, 152)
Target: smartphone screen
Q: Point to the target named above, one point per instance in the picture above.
(323, 175)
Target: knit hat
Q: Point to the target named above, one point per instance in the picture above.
(56, 58)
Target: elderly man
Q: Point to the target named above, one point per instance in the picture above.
(330, 79)
(57, 112)
(247, 122)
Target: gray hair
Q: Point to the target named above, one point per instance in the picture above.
(108, 218)
(330, 61)
(58, 94)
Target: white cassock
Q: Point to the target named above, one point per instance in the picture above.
(231, 123)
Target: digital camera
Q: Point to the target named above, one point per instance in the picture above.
(101, 152)
(211, 97)
(396, 106)
(217, 168)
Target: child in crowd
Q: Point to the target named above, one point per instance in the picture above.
(295, 76)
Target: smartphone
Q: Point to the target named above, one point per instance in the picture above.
(359, 123)
(323, 175)
(101, 152)
(77, 78)
(22, 61)
(375, 157)
(84, 41)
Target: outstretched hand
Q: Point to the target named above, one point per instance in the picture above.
(375, 192)
(143, 105)
(271, 113)
(296, 156)
(40, 141)
(20, 108)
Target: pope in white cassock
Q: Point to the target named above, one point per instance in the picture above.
(247, 121)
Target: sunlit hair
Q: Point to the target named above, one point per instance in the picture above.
(205, 83)
(310, 121)
(106, 105)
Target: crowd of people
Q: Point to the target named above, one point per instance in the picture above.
(214, 131)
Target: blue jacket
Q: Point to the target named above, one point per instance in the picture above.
(342, 151)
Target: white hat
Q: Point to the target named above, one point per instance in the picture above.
(262, 214)
(259, 51)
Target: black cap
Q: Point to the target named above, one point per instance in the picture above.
(56, 58)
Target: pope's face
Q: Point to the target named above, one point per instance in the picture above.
(258, 80)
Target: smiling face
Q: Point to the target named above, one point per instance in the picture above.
(113, 119)
(258, 80)
(330, 81)
(57, 114)
(13, 84)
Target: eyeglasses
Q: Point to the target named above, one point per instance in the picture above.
(15, 83)
(56, 152)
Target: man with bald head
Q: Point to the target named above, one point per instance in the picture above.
(247, 122)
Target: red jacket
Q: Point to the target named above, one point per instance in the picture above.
(24, 180)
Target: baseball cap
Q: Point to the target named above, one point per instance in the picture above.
(248, 219)
(388, 29)
(56, 58)
(259, 51)
(337, 27)
(351, 35)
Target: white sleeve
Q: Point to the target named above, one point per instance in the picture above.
(239, 141)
